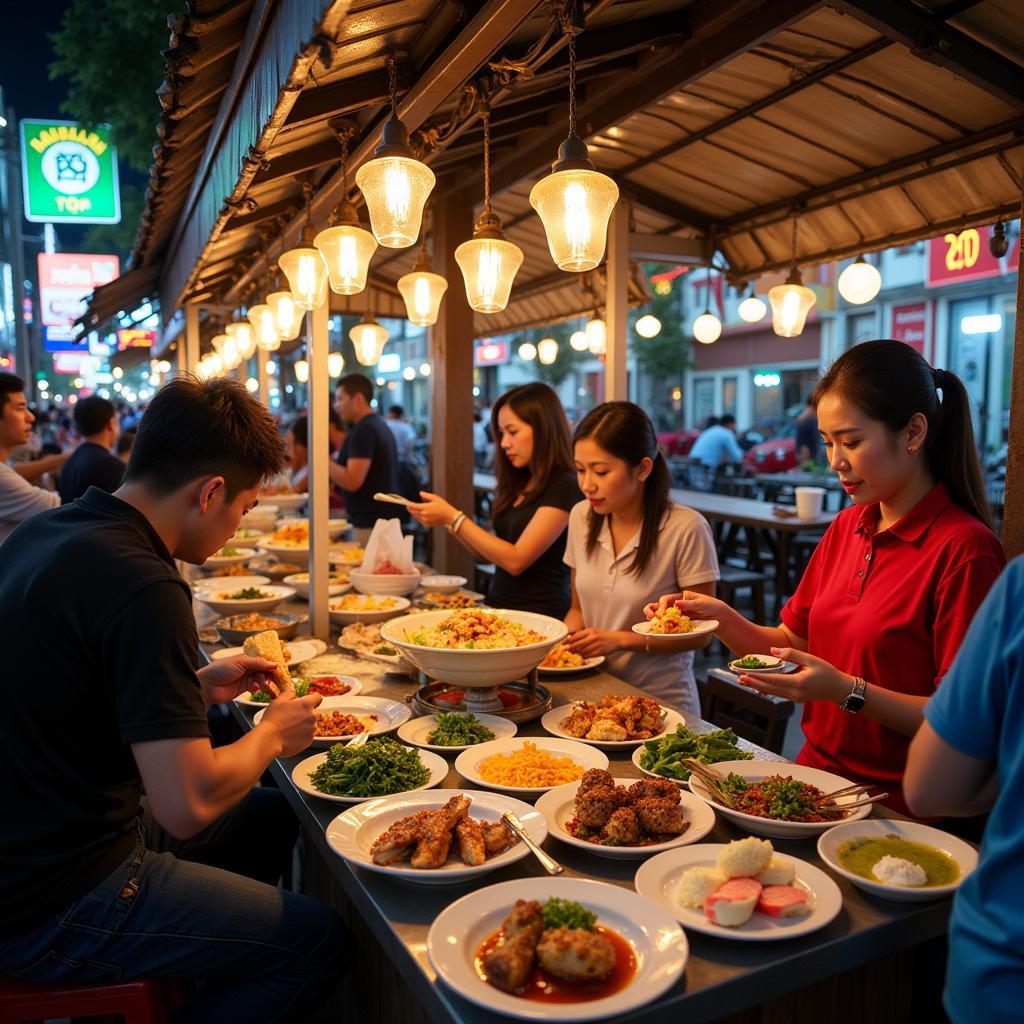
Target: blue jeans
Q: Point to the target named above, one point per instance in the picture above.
(260, 954)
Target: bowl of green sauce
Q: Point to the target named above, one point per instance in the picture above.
(854, 850)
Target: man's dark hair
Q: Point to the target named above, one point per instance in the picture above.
(712, 421)
(10, 384)
(92, 414)
(125, 441)
(196, 428)
(356, 384)
(396, 412)
(728, 420)
(300, 430)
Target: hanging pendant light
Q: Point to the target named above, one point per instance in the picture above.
(707, 328)
(575, 200)
(368, 339)
(301, 371)
(244, 337)
(792, 301)
(596, 331)
(860, 282)
(547, 350)
(261, 316)
(422, 290)
(752, 309)
(648, 326)
(217, 341)
(528, 351)
(394, 183)
(335, 364)
(304, 267)
(578, 341)
(345, 245)
(488, 261)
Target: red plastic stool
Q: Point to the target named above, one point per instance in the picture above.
(143, 1001)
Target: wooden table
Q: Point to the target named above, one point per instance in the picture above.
(774, 483)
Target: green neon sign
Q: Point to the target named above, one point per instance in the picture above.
(69, 173)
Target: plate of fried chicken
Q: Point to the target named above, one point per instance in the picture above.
(435, 837)
(613, 722)
(625, 819)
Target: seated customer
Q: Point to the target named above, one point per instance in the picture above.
(91, 464)
(18, 498)
(97, 882)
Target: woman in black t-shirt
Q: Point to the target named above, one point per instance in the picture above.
(536, 489)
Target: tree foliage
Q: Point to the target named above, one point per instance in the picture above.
(667, 355)
(109, 50)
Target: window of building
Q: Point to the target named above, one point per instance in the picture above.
(703, 399)
(730, 386)
(861, 327)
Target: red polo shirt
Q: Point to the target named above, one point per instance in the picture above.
(893, 608)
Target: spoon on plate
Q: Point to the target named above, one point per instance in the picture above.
(550, 865)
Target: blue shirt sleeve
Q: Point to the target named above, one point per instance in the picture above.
(969, 706)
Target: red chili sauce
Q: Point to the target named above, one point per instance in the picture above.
(542, 987)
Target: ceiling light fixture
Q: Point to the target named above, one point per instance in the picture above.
(422, 289)
(368, 339)
(792, 301)
(860, 282)
(752, 309)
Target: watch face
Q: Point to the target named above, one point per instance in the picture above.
(853, 703)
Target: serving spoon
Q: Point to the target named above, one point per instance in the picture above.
(550, 865)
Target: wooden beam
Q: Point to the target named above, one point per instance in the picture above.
(191, 345)
(262, 213)
(666, 205)
(1013, 496)
(343, 97)
(929, 38)
(667, 249)
(300, 161)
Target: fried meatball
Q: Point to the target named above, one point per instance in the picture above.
(662, 789)
(595, 777)
(595, 807)
(660, 817)
(622, 827)
(575, 954)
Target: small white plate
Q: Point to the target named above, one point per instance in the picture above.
(215, 584)
(443, 584)
(963, 853)
(558, 805)
(417, 730)
(355, 688)
(300, 581)
(437, 766)
(754, 771)
(771, 663)
(658, 943)
(552, 721)
(390, 715)
(397, 607)
(219, 561)
(287, 501)
(571, 670)
(658, 880)
(227, 606)
(428, 603)
(335, 527)
(467, 763)
(352, 833)
(700, 628)
(786, 666)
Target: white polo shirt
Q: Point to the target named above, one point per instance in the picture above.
(19, 499)
(612, 598)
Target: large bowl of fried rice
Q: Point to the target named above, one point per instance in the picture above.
(475, 647)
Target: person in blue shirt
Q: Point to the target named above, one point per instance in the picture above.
(716, 446)
(967, 758)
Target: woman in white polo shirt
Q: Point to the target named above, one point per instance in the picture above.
(627, 539)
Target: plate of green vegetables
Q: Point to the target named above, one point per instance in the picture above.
(454, 731)
(663, 757)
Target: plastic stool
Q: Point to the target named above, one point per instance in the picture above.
(142, 1001)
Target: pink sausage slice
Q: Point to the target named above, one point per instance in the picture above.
(732, 903)
(783, 901)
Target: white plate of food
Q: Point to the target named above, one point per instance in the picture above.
(341, 771)
(295, 651)
(807, 784)
(231, 600)
(343, 717)
(443, 584)
(300, 581)
(327, 686)
(382, 835)
(639, 941)
(854, 850)
(527, 766)
(228, 555)
(470, 728)
(596, 822)
(211, 584)
(335, 527)
(350, 555)
(246, 535)
(350, 608)
(600, 723)
(760, 663)
(287, 500)
(457, 599)
(810, 895)
(562, 662)
(698, 627)
(363, 639)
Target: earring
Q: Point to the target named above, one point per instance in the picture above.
(911, 449)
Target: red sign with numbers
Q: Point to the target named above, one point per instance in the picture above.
(964, 256)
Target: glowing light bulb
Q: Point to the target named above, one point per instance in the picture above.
(578, 341)
(577, 220)
(528, 351)
(301, 371)
(860, 282)
(421, 297)
(335, 364)
(707, 328)
(397, 193)
(752, 309)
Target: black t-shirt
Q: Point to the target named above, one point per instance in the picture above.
(807, 435)
(102, 652)
(544, 587)
(371, 439)
(89, 466)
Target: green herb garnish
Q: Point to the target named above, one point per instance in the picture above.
(386, 650)
(265, 696)
(559, 913)
(751, 661)
(458, 730)
(227, 552)
(664, 756)
(247, 594)
(377, 768)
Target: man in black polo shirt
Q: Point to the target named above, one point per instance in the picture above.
(104, 699)
(368, 460)
(91, 464)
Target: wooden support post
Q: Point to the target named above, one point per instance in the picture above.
(616, 387)
(262, 358)
(180, 365)
(191, 341)
(319, 479)
(451, 401)
(1013, 498)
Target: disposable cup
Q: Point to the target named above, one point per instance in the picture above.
(809, 501)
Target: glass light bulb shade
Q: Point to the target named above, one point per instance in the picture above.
(301, 371)
(409, 373)
(790, 305)
(287, 315)
(261, 316)
(547, 350)
(528, 351)
(860, 282)
(579, 341)
(245, 338)
(597, 336)
(752, 309)
(346, 250)
(307, 276)
(489, 267)
(707, 328)
(335, 364)
(422, 291)
(229, 353)
(252, 385)
(425, 369)
(648, 326)
(271, 368)
(574, 207)
(395, 189)
(368, 339)
(216, 364)
(217, 341)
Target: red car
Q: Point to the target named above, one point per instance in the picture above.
(775, 455)
(677, 442)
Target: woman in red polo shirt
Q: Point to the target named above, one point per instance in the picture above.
(893, 585)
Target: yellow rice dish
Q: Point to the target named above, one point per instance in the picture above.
(529, 768)
(670, 620)
(472, 629)
(362, 603)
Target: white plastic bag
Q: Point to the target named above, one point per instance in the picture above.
(387, 551)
